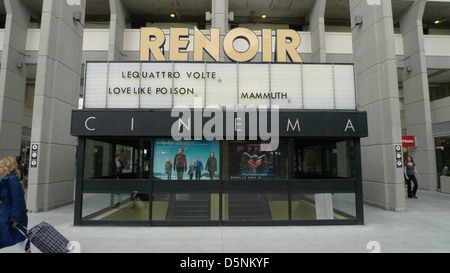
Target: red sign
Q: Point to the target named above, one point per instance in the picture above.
(408, 141)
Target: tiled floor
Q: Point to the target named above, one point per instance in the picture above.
(424, 227)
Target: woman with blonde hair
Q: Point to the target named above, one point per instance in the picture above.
(13, 211)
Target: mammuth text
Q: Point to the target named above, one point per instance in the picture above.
(255, 95)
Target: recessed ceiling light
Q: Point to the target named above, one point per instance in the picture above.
(438, 21)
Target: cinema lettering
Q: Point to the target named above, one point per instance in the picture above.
(196, 132)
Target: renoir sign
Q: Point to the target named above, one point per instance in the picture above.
(286, 43)
(164, 85)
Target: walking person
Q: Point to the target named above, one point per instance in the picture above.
(211, 165)
(119, 165)
(13, 211)
(191, 171)
(411, 174)
(168, 169)
(198, 168)
(180, 163)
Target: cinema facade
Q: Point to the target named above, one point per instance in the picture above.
(297, 116)
(219, 143)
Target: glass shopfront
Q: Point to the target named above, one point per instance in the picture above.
(181, 143)
(160, 181)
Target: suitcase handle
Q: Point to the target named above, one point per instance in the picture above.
(17, 227)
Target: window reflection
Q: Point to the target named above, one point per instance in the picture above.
(323, 159)
(323, 206)
(243, 161)
(117, 159)
(247, 160)
(115, 207)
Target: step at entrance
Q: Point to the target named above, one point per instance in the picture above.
(189, 208)
(248, 207)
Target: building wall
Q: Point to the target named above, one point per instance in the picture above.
(96, 44)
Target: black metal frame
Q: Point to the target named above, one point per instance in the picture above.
(151, 186)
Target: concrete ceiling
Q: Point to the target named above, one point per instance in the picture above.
(277, 11)
(245, 11)
(438, 77)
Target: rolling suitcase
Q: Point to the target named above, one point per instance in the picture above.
(46, 238)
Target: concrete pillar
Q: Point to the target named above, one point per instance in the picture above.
(119, 14)
(13, 76)
(51, 183)
(377, 93)
(219, 15)
(416, 93)
(219, 19)
(317, 29)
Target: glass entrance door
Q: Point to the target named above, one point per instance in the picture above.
(115, 180)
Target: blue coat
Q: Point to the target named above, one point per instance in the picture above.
(198, 166)
(12, 209)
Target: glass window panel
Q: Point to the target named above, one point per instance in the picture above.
(344, 205)
(185, 207)
(96, 85)
(158, 77)
(312, 162)
(286, 80)
(99, 159)
(222, 90)
(344, 86)
(246, 160)
(318, 86)
(190, 84)
(124, 159)
(321, 160)
(323, 206)
(255, 207)
(442, 153)
(123, 89)
(174, 160)
(111, 160)
(254, 84)
(115, 207)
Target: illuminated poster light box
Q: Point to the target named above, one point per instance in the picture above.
(164, 85)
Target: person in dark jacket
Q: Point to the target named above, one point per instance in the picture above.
(13, 211)
(211, 165)
(180, 163)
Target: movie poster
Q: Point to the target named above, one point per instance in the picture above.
(172, 159)
(248, 161)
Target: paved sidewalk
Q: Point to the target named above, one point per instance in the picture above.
(424, 227)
